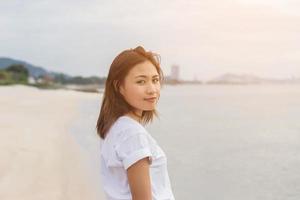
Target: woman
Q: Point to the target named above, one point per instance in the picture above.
(133, 166)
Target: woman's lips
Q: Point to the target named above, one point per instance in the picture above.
(151, 99)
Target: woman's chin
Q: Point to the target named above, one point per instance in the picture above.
(149, 109)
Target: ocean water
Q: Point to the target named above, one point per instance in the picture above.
(223, 142)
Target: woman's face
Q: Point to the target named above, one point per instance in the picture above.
(140, 84)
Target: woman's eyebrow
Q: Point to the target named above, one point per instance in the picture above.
(144, 76)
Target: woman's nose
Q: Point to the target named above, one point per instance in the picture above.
(151, 88)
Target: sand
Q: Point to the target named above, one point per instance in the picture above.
(39, 158)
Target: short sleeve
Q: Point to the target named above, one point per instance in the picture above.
(134, 148)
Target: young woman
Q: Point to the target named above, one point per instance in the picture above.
(133, 166)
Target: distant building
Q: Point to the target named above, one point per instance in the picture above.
(175, 73)
(31, 80)
(45, 79)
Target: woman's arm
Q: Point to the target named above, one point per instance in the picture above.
(139, 180)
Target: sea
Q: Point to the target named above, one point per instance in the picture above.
(223, 142)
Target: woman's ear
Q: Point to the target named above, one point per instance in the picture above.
(115, 83)
(117, 87)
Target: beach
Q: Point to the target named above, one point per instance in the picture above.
(220, 143)
(39, 157)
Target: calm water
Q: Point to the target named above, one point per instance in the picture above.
(222, 142)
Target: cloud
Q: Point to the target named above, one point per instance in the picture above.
(204, 37)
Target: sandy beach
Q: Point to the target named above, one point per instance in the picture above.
(39, 157)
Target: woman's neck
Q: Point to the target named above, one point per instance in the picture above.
(135, 116)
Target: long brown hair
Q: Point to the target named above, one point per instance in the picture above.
(113, 104)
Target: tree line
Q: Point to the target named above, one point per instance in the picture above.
(14, 74)
(18, 74)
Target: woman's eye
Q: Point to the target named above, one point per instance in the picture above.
(143, 81)
(155, 80)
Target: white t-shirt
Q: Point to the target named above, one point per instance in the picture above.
(127, 142)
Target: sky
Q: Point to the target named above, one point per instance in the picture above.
(205, 38)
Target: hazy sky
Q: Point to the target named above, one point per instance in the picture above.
(205, 38)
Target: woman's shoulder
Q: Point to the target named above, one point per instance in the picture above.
(125, 127)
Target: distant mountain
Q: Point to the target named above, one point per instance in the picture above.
(34, 71)
(230, 78)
